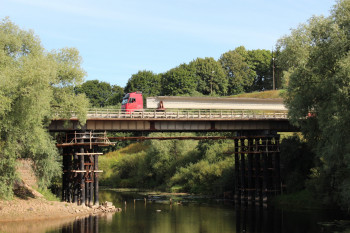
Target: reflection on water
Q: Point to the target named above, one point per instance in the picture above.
(256, 219)
(89, 224)
(37, 226)
(157, 215)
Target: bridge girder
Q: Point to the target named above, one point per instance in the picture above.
(174, 125)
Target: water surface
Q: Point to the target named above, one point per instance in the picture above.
(156, 215)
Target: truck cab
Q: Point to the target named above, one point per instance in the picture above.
(132, 102)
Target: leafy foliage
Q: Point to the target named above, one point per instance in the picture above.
(34, 84)
(239, 73)
(163, 157)
(212, 173)
(209, 76)
(181, 165)
(101, 94)
(179, 81)
(145, 81)
(316, 56)
(260, 60)
(236, 71)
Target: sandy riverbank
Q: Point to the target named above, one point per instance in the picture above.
(29, 209)
(39, 208)
(30, 215)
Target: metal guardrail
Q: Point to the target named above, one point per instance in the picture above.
(186, 114)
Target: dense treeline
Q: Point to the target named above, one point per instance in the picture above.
(236, 71)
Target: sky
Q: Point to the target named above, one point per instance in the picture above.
(118, 38)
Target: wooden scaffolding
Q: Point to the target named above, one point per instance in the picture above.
(80, 182)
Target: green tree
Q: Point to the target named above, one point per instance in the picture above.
(239, 72)
(179, 81)
(211, 172)
(210, 77)
(101, 94)
(163, 158)
(34, 84)
(116, 97)
(145, 81)
(68, 74)
(318, 61)
(260, 60)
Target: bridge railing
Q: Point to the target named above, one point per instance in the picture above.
(186, 114)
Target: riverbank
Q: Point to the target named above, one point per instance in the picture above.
(39, 209)
(29, 204)
(39, 215)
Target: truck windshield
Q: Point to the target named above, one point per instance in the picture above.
(125, 99)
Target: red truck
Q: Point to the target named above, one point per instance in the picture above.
(132, 102)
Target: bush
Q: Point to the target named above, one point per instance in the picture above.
(173, 165)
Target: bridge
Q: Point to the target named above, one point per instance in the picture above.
(256, 145)
(178, 120)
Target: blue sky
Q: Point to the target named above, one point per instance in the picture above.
(118, 38)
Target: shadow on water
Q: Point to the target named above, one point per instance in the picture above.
(258, 219)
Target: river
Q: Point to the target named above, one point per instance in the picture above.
(197, 215)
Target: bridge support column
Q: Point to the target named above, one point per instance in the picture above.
(257, 175)
(65, 175)
(96, 184)
(237, 165)
(257, 169)
(69, 187)
(250, 171)
(80, 173)
(75, 180)
(243, 172)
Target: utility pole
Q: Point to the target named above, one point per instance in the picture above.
(273, 72)
(211, 82)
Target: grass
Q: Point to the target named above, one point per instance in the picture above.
(48, 195)
(108, 162)
(273, 94)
